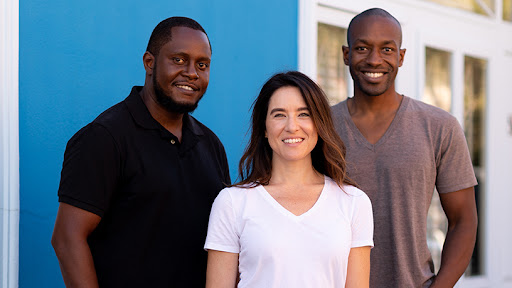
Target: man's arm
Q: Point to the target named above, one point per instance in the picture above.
(460, 209)
(72, 227)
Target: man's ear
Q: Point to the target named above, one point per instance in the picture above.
(402, 56)
(149, 61)
(345, 50)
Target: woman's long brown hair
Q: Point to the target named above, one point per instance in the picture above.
(328, 156)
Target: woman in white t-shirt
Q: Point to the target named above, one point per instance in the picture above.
(295, 219)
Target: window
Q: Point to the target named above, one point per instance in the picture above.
(438, 90)
(507, 10)
(332, 73)
(484, 7)
(475, 90)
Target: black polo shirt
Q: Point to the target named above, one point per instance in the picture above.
(152, 192)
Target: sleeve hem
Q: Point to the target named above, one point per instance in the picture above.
(223, 248)
(81, 205)
(362, 243)
(443, 190)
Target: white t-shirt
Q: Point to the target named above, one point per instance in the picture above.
(279, 249)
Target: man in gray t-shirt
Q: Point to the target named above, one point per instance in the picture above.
(399, 150)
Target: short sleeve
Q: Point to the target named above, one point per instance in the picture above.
(362, 222)
(90, 170)
(222, 232)
(455, 170)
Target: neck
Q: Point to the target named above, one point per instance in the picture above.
(297, 173)
(173, 122)
(381, 104)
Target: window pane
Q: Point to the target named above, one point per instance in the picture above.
(507, 10)
(438, 90)
(331, 70)
(484, 7)
(475, 94)
(475, 83)
(437, 225)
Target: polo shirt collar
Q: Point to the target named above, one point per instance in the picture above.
(143, 118)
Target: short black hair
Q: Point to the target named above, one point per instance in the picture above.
(372, 12)
(162, 33)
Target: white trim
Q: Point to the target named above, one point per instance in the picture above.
(9, 144)
(498, 10)
(307, 34)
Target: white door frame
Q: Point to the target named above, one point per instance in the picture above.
(9, 144)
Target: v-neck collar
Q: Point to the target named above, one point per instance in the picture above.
(360, 137)
(272, 201)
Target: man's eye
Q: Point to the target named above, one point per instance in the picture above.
(361, 48)
(387, 49)
(178, 60)
(203, 65)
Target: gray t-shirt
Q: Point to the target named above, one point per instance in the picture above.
(424, 148)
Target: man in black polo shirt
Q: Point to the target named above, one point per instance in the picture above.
(137, 183)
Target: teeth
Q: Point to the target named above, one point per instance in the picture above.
(185, 87)
(373, 75)
(296, 140)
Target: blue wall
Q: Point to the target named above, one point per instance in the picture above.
(77, 58)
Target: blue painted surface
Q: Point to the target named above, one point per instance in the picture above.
(78, 58)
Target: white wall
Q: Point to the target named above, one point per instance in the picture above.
(461, 33)
(9, 155)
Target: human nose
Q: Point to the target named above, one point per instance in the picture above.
(291, 124)
(190, 71)
(374, 58)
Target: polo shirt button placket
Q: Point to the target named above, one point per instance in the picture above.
(173, 142)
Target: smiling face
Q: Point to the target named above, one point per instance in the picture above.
(181, 70)
(290, 130)
(374, 55)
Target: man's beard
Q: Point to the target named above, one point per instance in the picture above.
(168, 103)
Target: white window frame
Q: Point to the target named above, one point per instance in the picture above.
(484, 37)
(9, 144)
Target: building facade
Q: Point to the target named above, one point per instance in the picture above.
(64, 62)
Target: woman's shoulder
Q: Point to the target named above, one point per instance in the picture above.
(237, 191)
(349, 199)
(346, 189)
(353, 191)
